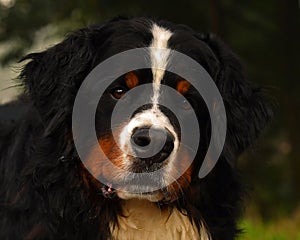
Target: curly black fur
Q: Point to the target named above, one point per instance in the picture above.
(45, 193)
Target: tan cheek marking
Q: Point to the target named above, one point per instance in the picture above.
(183, 86)
(131, 80)
(101, 165)
(111, 150)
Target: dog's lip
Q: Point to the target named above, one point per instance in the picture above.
(163, 195)
(139, 193)
(155, 196)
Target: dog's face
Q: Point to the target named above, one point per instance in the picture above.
(149, 140)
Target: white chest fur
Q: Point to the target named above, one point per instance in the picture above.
(144, 220)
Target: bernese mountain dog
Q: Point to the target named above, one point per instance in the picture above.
(48, 191)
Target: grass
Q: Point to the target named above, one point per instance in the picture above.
(282, 229)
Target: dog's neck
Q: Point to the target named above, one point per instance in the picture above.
(145, 220)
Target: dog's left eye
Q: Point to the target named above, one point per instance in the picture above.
(118, 92)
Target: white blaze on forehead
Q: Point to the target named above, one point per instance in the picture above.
(159, 58)
(159, 55)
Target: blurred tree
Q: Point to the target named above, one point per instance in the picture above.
(289, 67)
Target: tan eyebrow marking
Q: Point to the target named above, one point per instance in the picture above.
(131, 80)
(183, 86)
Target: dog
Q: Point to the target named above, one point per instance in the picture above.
(47, 191)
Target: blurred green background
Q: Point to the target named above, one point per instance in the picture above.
(266, 36)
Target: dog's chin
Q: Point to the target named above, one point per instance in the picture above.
(155, 196)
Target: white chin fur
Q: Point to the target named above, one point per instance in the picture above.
(152, 197)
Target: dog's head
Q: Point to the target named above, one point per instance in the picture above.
(149, 140)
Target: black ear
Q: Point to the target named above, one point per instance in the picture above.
(247, 108)
(52, 77)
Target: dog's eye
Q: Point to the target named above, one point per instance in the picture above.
(118, 92)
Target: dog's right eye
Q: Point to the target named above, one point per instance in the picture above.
(118, 92)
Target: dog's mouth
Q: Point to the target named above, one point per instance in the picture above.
(163, 196)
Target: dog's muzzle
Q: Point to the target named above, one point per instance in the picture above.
(151, 144)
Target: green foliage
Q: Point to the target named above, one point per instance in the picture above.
(256, 230)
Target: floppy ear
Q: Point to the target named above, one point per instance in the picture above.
(247, 109)
(52, 77)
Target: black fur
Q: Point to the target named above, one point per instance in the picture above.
(45, 193)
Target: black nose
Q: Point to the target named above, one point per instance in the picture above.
(152, 145)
